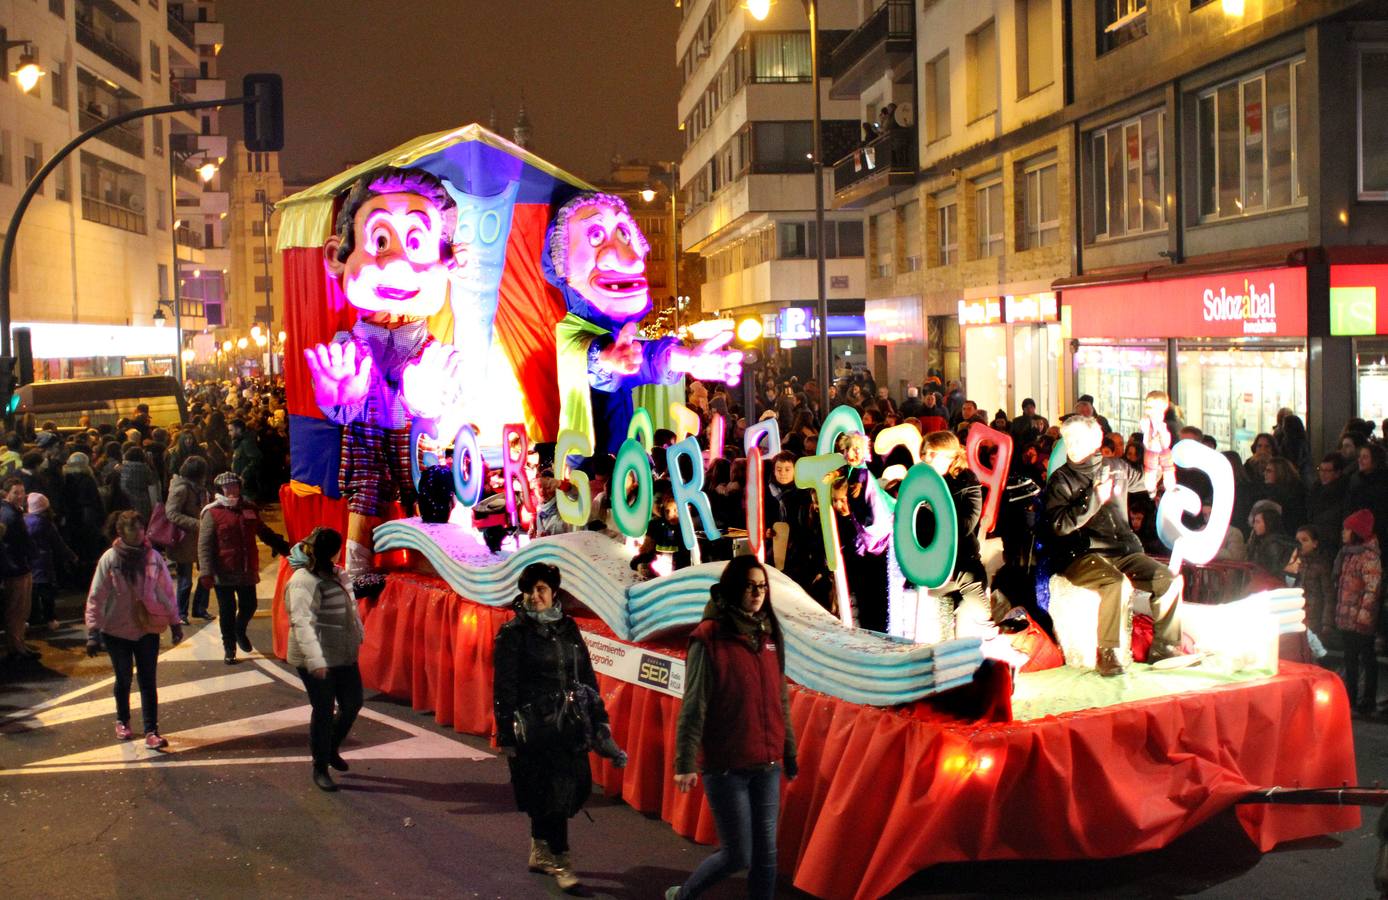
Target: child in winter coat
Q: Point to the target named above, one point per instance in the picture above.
(1358, 570)
(1311, 569)
(51, 553)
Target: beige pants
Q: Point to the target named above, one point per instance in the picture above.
(18, 595)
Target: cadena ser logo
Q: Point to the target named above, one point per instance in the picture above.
(654, 671)
(1257, 309)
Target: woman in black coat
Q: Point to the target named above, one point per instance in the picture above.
(968, 586)
(539, 658)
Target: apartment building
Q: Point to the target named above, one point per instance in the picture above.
(131, 210)
(746, 113)
(256, 286)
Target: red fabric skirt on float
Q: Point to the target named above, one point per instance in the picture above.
(884, 793)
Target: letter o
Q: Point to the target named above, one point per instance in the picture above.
(632, 520)
(467, 483)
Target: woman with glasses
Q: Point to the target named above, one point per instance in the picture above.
(968, 585)
(735, 724)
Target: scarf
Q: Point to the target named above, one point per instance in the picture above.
(130, 559)
(752, 628)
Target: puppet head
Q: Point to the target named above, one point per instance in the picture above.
(597, 258)
(392, 250)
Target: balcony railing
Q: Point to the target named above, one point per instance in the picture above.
(182, 30)
(181, 89)
(106, 48)
(122, 137)
(188, 237)
(890, 160)
(101, 212)
(892, 21)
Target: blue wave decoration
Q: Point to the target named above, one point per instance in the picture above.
(862, 667)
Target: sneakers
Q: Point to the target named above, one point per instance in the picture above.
(563, 872)
(123, 732)
(541, 859)
(1112, 662)
(244, 643)
(324, 780)
(230, 657)
(154, 742)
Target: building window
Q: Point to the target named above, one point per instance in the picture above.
(264, 284)
(1127, 176)
(160, 204)
(260, 196)
(1034, 67)
(258, 255)
(988, 218)
(157, 126)
(883, 236)
(1248, 135)
(946, 229)
(982, 47)
(1373, 128)
(1119, 22)
(156, 68)
(6, 155)
(58, 74)
(911, 244)
(937, 92)
(796, 240)
(258, 227)
(162, 274)
(62, 181)
(111, 194)
(1040, 204)
(58, 8)
(33, 161)
(780, 57)
(781, 147)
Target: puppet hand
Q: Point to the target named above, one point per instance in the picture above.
(432, 381)
(622, 356)
(709, 361)
(340, 376)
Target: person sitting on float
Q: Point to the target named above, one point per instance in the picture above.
(596, 256)
(392, 257)
(1086, 536)
(968, 585)
(865, 547)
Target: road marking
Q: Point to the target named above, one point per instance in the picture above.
(184, 690)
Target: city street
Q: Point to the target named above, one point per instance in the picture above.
(229, 809)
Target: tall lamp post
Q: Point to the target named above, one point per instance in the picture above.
(760, 9)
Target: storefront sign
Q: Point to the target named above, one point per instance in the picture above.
(636, 665)
(1265, 303)
(1042, 307)
(1359, 299)
(982, 311)
(795, 324)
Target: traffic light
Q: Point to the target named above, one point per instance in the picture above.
(8, 383)
(263, 122)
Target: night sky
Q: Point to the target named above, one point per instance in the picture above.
(363, 76)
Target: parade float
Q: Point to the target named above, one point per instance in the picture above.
(459, 292)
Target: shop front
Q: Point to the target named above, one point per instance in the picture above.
(64, 350)
(1359, 310)
(1230, 348)
(1012, 351)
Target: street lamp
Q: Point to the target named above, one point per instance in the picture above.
(760, 9)
(28, 72)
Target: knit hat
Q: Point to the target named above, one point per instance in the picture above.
(1361, 523)
(227, 477)
(37, 503)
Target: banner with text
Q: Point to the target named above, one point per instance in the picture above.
(1259, 303)
(636, 665)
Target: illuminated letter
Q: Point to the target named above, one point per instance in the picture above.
(1057, 457)
(469, 469)
(641, 428)
(840, 419)
(756, 516)
(768, 429)
(1197, 546)
(690, 493)
(717, 436)
(903, 435)
(422, 428)
(994, 479)
(686, 421)
(575, 443)
(513, 470)
(930, 566)
(811, 472)
(632, 519)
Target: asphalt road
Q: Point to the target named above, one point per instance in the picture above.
(230, 811)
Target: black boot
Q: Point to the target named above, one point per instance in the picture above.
(323, 780)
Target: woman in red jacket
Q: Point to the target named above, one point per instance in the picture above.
(736, 721)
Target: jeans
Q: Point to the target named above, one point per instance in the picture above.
(327, 729)
(1359, 651)
(553, 831)
(745, 805)
(185, 590)
(236, 605)
(143, 656)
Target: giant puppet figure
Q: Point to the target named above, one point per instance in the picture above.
(596, 256)
(393, 256)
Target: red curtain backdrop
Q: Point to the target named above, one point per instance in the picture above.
(884, 793)
(314, 310)
(529, 309)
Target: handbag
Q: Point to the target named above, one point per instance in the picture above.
(162, 533)
(559, 720)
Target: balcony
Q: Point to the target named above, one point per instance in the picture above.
(876, 170)
(884, 42)
(209, 34)
(125, 137)
(122, 217)
(181, 89)
(188, 237)
(181, 29)
(105, 46)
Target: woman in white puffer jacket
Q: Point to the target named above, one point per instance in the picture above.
(325, 633)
